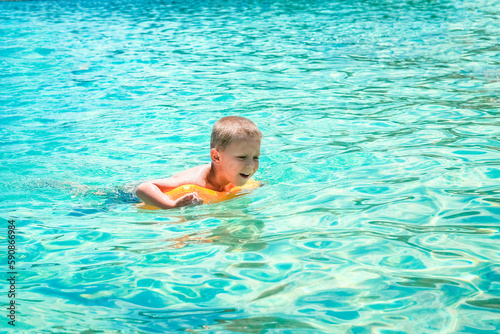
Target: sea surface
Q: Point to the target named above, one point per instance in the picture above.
(381, 162)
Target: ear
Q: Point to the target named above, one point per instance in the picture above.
(214, 154)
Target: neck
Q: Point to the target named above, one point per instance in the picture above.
(217, 182)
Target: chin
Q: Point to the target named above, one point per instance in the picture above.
(241, 182)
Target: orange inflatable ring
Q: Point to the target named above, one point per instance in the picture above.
(211, 196)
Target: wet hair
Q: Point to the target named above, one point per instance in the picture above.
(228, 129)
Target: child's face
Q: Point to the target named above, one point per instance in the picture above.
(239, 160)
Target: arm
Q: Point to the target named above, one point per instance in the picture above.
(152, 193)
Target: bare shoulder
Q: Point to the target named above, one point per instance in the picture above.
(196, 175)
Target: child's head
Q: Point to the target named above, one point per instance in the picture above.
(232, 128)
(235, 149)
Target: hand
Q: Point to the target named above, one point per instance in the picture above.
(188, 199)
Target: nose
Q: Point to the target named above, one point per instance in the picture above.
(251, 163)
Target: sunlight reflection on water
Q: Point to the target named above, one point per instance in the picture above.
(380, 158)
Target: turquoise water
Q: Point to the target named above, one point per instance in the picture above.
(381, 159)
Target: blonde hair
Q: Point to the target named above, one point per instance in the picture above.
(231, 128)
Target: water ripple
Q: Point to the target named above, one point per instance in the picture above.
(380, 162)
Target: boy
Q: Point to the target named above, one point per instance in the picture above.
(234, 150)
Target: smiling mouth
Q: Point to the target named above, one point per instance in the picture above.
(245, 176)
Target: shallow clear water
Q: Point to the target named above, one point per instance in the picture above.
(381, 160)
